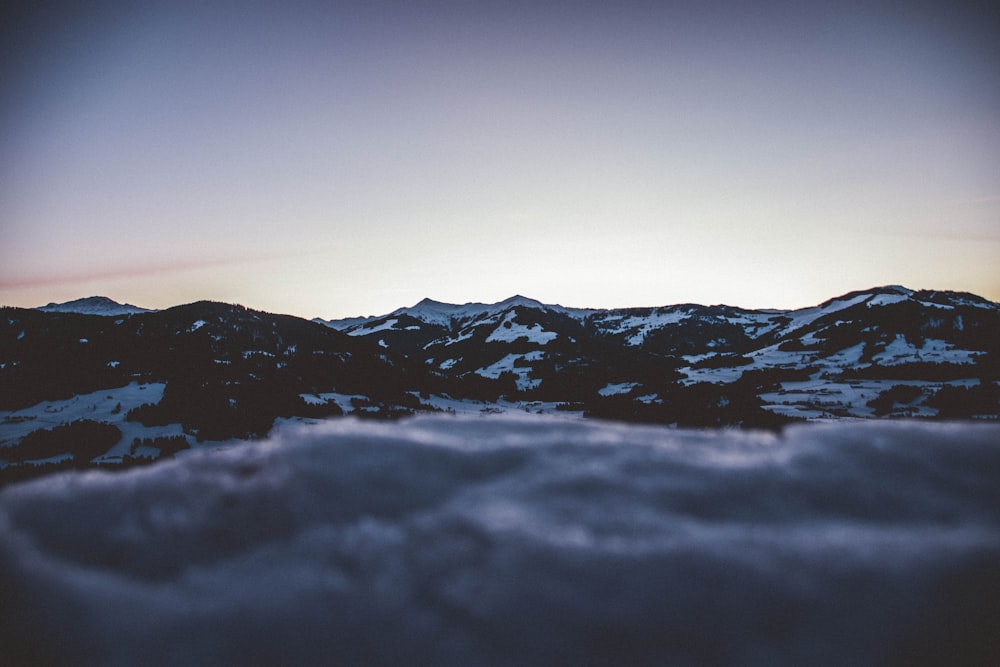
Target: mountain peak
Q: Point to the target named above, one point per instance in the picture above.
(898, 289)
(518, 300)
(93, 305)
(429, 310)
(431, 303)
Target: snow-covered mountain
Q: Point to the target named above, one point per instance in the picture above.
(446, 315)
(209, 371)
(853, 347)
(886, 326)
(632, 326)
(94, 305)
(435, 312)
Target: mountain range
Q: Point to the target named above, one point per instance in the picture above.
(94, 382)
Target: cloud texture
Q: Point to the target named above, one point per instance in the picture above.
(500, 541)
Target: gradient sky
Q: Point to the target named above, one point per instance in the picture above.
(338, 159)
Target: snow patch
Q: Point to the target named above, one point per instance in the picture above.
(105, 405)
(510, 331)
(901, 351)
(388, 325)
(886, 299)
(641, 325)
(806, 316)
(507, 365)
(850, 356)
(466, 335)
(615, 388)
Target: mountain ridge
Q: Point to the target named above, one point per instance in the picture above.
(429, 306)
(433, 309)
(94, 305)
(212, 372)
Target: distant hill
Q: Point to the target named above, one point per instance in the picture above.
(94, 305)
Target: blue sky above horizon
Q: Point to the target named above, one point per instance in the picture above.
(339, 159)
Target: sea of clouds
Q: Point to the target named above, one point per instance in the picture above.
(517, 541)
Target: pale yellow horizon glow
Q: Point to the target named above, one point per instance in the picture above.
(348, 160)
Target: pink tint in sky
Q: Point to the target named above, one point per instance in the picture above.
(349, 158)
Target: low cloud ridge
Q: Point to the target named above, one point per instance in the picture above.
(517, 541)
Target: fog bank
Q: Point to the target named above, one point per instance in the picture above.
(517, 541)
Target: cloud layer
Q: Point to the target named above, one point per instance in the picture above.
(505, 541)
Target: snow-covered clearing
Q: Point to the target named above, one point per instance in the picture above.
(508, 365)
(641, 326)
(106, 405)
(806, 316)
(901, 351)
(614, 388)
(388, 325)
(510, 331)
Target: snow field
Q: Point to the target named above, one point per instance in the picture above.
(106, 405)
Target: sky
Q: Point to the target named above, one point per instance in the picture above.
(340, 159)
